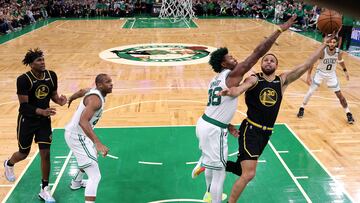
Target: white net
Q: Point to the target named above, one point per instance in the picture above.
(177, 10)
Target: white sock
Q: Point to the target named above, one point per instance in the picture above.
(89, 201)
(347, 110)
(217, 185)
(312, 89)
(79, 176)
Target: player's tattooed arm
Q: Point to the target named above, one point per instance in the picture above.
(243, 87)
(298, 71)
(236, 75)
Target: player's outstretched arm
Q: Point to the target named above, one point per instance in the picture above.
(77, 94)
(237, 91)
(297, 72)
(236, 75)
(92, 104)
(343, 66)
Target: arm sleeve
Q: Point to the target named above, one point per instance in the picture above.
(23, 85)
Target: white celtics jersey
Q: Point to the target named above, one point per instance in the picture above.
(220, 108)
(74, 125)
(329, 62)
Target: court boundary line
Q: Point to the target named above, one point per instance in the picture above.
(58, 177)
(290, 173)
(131, 27)
(341, 187)
(20, 177)
(21, 35)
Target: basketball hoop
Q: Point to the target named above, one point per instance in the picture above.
(177, 10)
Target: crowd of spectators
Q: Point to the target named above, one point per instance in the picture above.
(274, 10)
(15, 14)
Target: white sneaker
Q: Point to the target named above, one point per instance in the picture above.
(207, 197)
(74, 185)
(45, 194)
(9, 172)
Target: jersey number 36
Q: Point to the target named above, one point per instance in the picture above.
(214, 100)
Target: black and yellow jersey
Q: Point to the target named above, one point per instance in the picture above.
(39, 90)
(263, 100)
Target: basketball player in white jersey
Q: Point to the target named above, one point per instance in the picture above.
(212, 127)
(326, 71)
(81, 138)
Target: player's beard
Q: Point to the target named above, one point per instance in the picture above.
(268, 71)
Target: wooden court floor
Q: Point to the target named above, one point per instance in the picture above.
(155, 96)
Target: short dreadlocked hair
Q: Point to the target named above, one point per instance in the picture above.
(217, 57)
(31, 55)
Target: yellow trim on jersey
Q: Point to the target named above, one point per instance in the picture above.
(258, 125)
(50, 77)
(245, 144)
(43, 142)
(29, 80)
(18, 133)
(36, 77)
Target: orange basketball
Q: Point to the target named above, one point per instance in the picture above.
(329, 21)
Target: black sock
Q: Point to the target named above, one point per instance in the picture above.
(44, 183)
(234, 167)
(9, 163)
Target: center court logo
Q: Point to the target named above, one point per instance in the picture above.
(164, 54)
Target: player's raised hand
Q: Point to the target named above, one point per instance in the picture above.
(288, 23)
(329, 37)
(102, 149)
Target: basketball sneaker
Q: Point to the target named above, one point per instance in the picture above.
(197, 170)
(45, 194)
(350, 118)
(301, 112)
(9, 172)
(74, 185)
(207, 197)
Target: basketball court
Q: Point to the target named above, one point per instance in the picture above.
(150, 116)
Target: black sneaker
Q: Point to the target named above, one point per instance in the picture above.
(301, 112)
(350, 118)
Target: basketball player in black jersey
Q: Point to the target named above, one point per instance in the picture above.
(263, 95)
(35, 88)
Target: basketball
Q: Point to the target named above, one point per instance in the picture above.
(329, 21)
